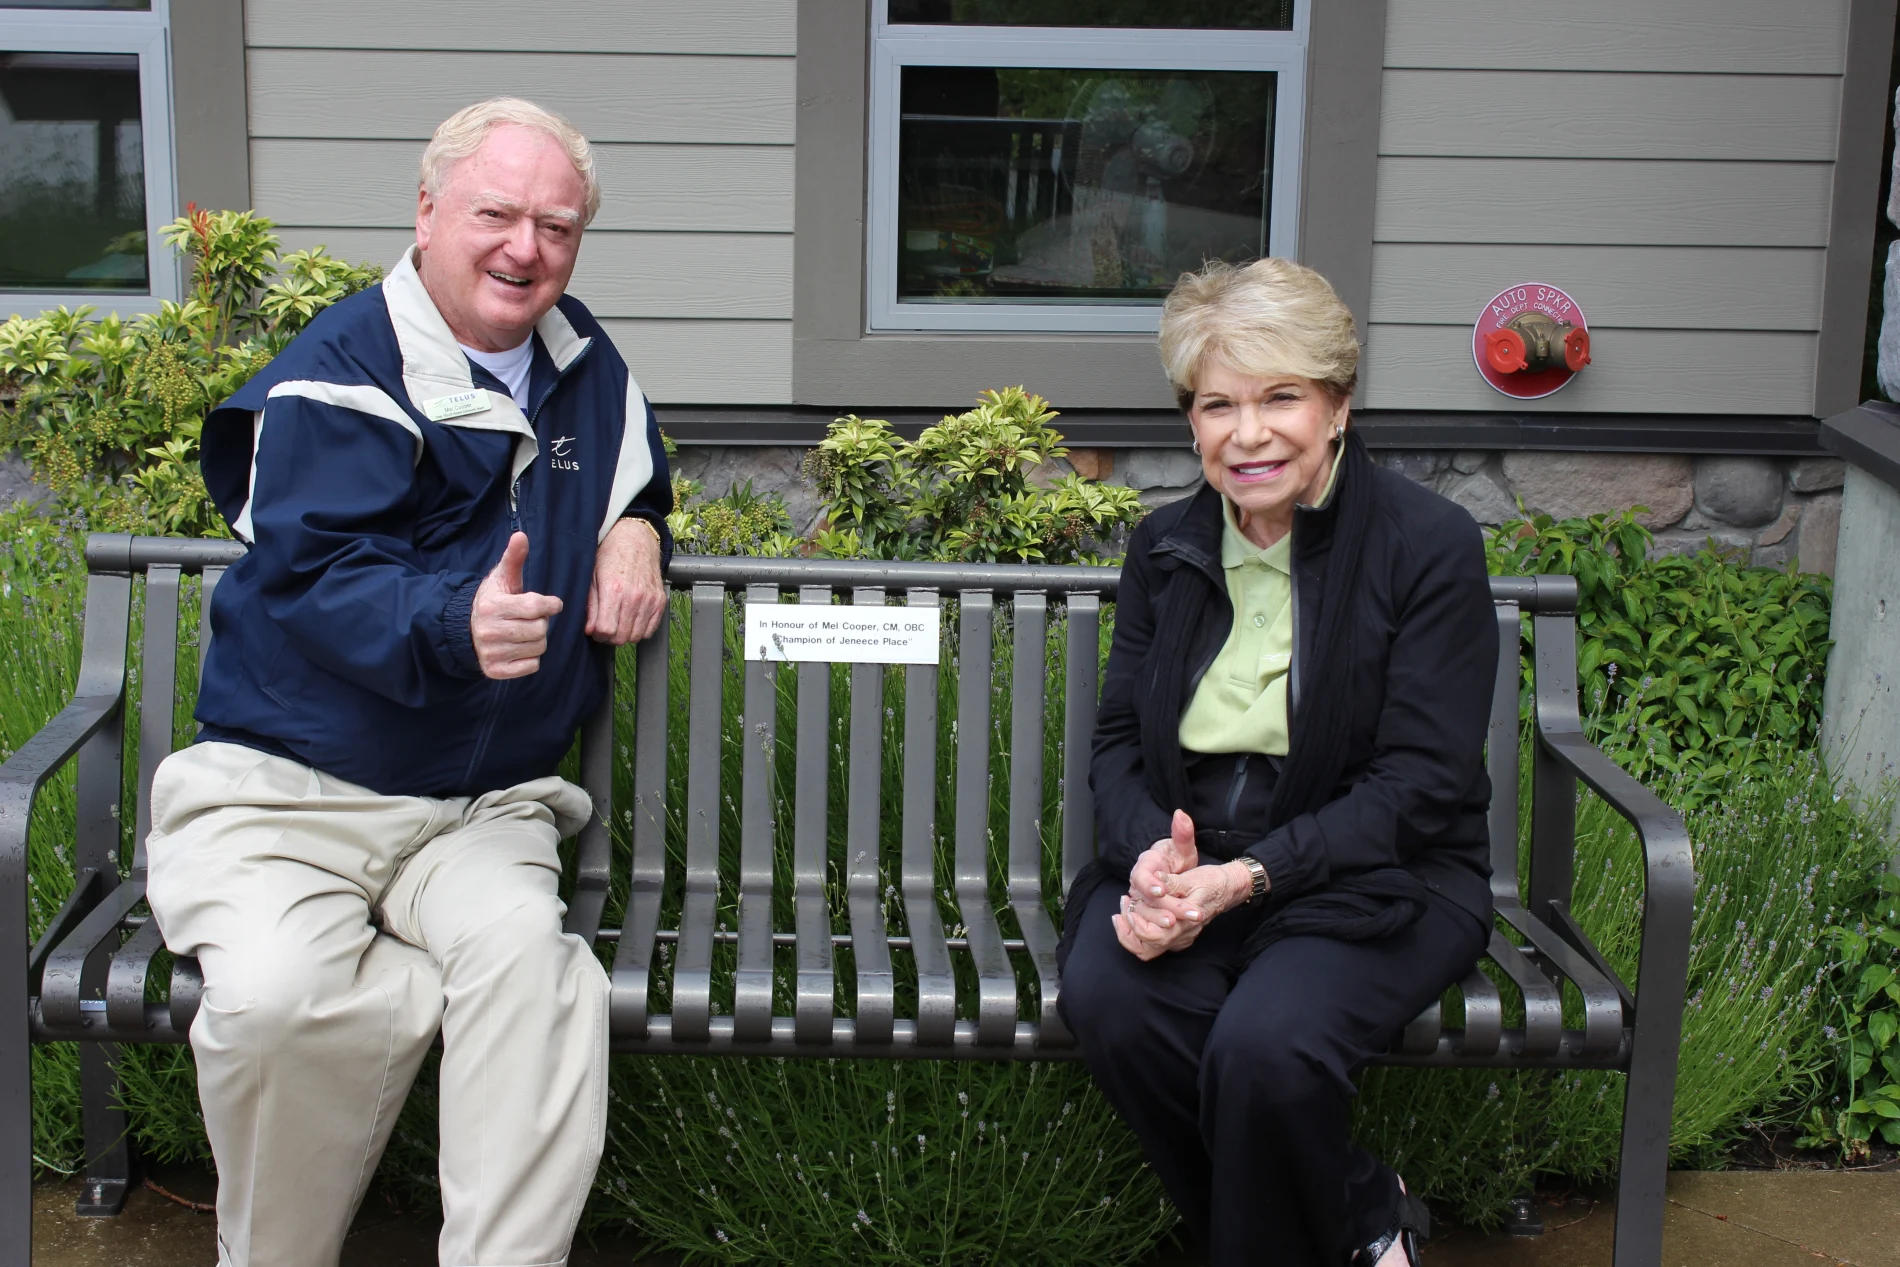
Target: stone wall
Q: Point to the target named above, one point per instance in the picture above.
(1773, 509)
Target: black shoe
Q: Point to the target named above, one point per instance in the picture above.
(1415, 1225)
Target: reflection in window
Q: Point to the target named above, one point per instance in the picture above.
(1252, 15)
(72, 173)
(1051, 184)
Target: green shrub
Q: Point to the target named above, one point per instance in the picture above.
(107, 412)
(1866, 998)
(1692, 668)
(887, 1162)
(740, 523)
(962, 492)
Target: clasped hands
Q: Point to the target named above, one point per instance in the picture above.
(1171, 896)
(509, 624)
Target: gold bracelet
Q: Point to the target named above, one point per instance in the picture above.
(658, 544)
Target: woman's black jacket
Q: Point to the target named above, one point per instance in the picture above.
(1425, 653)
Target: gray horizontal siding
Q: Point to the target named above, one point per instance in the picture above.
(1596, 201)
(690, 109)
(708, 362)
(1635, 371)
(708, 275)
(1539, 114)
(1636, 287)
(651, 26)
(372, 184)
(611, 97)
(1670, 163)
(1756, 37)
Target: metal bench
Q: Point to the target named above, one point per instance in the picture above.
(850, 982)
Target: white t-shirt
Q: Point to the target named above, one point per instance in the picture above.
(511, 367)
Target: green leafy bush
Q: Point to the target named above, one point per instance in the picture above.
(740, 523)
(108, 412)
(1690, 666)
(963, 491)
(1867, 985)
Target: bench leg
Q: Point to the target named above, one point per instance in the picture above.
(108, 1177)
(16, 1132)
(1643, 1170)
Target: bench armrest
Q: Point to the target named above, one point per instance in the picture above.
(38, 760)
(1668, 863)
(21, 779)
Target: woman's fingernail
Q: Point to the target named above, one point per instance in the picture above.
(1155, 891)
(1194, 915)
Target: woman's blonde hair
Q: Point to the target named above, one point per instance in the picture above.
(463, 132)
(1265, 318)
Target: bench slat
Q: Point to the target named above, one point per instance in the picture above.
(1421, 1035)
(1543, 1005)
(1501, 753)
(1484, 1016)
(1078, 734)
(752, 983)
(692, 969)
(1602, 1005)
(79, 960)
(936, 981)
(633, 957)
(594, 849)
(126, 978)
(814, 984)
(157, 693)
(211, 577)
(870, 951)
(996, 979)
(1028, 708)
(188, 987)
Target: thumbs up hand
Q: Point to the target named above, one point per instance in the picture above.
(509, 625)
(1171, 897)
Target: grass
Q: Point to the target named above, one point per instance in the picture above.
(919, 1162)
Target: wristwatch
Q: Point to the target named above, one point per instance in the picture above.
(1259, 874)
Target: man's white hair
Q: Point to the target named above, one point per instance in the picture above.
(463, 132)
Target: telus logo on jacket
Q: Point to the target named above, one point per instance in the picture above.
(377, 480)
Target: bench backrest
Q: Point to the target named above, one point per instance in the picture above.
(935, 828)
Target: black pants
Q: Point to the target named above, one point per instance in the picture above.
(1238, 1082)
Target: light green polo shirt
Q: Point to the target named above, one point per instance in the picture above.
(1240, 704)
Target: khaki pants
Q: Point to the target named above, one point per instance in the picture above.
(338, 930)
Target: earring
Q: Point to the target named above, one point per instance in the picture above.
(1196, 446)
(1339, 434)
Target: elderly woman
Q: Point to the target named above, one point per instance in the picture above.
(1289, 787)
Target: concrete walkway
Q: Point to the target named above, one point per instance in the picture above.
(1730, 1218)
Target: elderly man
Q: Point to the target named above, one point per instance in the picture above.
(454, 495)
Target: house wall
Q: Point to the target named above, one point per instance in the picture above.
(1670, 163)
(689, 106)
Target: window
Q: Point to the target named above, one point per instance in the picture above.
(1034, 177)
(85, 155)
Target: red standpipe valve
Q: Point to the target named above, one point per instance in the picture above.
(1533, 341)
(1528, 341)
(1577, 349)
(1504, 349)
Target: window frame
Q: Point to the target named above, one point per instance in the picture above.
(145, 33)
(894, 46)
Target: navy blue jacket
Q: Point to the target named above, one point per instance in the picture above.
(377, 475)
